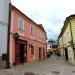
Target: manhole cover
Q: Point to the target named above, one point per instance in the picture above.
(73, 71)
(28, 73)
(55, 72)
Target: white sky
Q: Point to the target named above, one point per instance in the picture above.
(50, 13)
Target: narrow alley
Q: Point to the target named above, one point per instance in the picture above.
(51, 66)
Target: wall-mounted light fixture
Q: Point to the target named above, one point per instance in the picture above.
(16, 35)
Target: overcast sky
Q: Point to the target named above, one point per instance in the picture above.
(50, 13)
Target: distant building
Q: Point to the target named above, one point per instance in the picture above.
(67, 39)
(4, 18)
(52, 46)
(27, 39)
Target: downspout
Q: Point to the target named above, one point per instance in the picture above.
(8, 37)
(72, 38)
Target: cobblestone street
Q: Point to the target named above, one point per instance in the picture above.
(51, 66)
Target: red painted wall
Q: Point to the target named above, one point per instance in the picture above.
(35, 40)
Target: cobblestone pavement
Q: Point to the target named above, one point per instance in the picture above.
(51, 66)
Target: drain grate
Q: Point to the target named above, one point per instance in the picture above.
(28, 73)
(73, 71)
(55, 72)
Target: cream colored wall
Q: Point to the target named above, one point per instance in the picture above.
(60, 42)
(73, 29)
(48, 48)
(66, 43)
(70, 54)
(67, 36)
(60, 47)
(61, 51)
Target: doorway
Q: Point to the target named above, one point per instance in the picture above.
(21, 53)
(39, 53)
(43, 53)
(66, 54)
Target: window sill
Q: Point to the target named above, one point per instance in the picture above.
(32, 34)
(21, 30)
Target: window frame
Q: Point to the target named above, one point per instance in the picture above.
(21, 24)
(32, 50)
(31, 30)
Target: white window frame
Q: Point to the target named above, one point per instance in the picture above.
(21, 24)
(31, 30)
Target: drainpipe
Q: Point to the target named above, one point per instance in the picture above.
(8, 38)
(72, 38)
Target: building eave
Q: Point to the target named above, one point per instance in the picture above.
(65, 24)
(13, 7)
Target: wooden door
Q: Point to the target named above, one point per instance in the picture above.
(39, 53)
(21, 53)
(17, 54)
(44, 53)
(19, 58)
(25, 52)
(66, 54)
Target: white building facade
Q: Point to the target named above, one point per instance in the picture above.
(4, 16)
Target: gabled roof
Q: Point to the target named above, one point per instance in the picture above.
(53, 42)
(39, 25)
(65, 24)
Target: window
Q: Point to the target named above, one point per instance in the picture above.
(54, 46)
(31, 30)
(43, 36)
(32, 50)
(50, 46)
(39, 34)
(21, 24)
